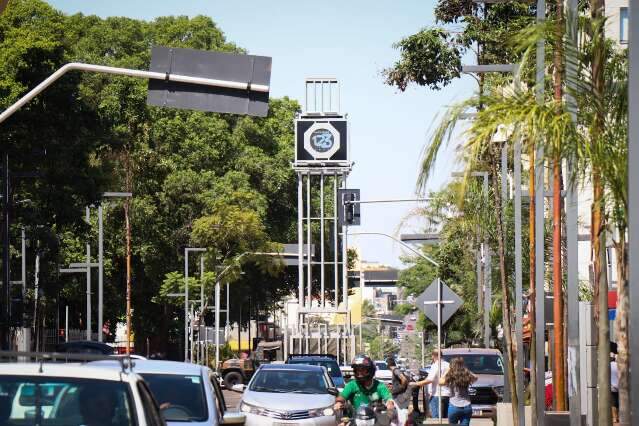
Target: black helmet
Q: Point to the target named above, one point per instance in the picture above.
(363, 362)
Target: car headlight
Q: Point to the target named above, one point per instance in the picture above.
(320, 412)
(499, 390)
(250, 409)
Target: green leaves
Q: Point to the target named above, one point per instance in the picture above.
(428, 58)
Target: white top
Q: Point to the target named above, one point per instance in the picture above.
(435, 376)
(614, 377)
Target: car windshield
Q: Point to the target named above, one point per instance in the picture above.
(381, 366)
(331, 365)
(480, 363)
(289, 381)
(180, 397)
(64, 401)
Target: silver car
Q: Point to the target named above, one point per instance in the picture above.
(186, 393)
(289, 394)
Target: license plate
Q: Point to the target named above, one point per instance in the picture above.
(285, 424)
(476, 412)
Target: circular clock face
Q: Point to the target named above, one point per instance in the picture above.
(322, 140)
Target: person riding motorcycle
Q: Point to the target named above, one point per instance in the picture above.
(365, 389)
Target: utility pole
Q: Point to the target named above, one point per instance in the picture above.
(6, 294)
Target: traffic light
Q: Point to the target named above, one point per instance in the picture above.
(348, 212)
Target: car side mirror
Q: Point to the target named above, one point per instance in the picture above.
(233, 418)
(238, 388)
(332, 391)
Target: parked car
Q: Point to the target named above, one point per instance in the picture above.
(296, 394)
(488, 366)
(85, 347)
(327, 361)
(186, 393)
(74, 394)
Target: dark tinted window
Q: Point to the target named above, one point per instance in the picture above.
(57, 401)
(480, 364)
(150, 406)
(180, 397)
(331, 365)
(284, 381)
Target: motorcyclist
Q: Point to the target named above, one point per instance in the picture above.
(365, 389)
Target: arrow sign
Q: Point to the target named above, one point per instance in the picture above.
(427, 302)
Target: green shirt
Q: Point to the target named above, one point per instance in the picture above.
(358, 394)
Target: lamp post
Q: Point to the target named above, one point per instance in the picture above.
(187, 250)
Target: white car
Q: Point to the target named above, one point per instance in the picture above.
(74, 394)
(289, 394)
(383, 373)
(186, 393)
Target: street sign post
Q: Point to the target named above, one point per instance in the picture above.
(452, 302)
(439, 311)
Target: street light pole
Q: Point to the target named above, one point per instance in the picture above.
(186, 298)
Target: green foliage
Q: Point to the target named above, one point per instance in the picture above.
(223, 182)
(428, 58)
(432, 57)
(403, 309)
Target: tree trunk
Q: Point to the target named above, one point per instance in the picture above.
(598, 237)
(621, 323)
(532, 313)
(559, 384)
(559, 381)
(506, 304)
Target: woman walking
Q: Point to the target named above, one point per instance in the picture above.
(458, 379)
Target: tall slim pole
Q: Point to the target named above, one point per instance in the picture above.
(23, 260)
(633, 208)
(572, 261)
(300, 239)
(202, 322)
(488, 276)
(439, 348)
(228, 306)
(6, 202)
(186, 305)
(519, 294)
(66, 323)
(309, 269)
(128, 275)
(335, 240)
(100, 273)
(217, 323)
(322, 258)
(504, 203)
(88, 246)
(539, 234)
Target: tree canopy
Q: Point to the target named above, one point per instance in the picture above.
(220, 181)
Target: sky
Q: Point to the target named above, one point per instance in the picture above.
(351, 40)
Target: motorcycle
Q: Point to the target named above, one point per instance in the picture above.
(376, 414)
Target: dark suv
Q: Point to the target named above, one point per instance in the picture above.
(325, 360)
(488, 366)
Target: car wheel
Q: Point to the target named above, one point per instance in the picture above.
(233, 378)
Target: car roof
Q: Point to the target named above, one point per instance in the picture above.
(471, 351)
(291, 367)
(149, 366)
(312, 358)
(72, 370)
